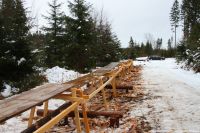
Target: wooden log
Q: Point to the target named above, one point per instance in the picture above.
(48, 117)
(125, 87)
(90, 114)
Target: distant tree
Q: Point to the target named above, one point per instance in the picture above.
(131, 43)
(169, 47)
(175, 17)
(132, 49)
(55, 45)
(148, 48)
(158, 43)
(150, 38)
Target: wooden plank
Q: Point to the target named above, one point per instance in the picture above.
(20, 103)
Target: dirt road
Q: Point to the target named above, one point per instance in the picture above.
(172, 103)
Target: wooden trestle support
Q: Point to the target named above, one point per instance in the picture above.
(76, 98)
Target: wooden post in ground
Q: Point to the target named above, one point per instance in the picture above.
(45, 108)
(104, 95)
(30, 121)
(114, 87)
(85, 118)
(77, 119)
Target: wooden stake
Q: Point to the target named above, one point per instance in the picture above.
(114, 87)
(30, 121)
(45, 108)
(77, 119)
(85, 118)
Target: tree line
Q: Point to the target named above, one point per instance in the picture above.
(187, 15)
(79, 41)
(151, 47)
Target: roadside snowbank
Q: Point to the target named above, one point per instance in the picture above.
(60, 75)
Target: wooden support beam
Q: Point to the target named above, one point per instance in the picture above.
(57, 118)
(85, 118)
(113, 83)
(67, 97)
(45, 108)
(77, 119)
(47, 118)
(30, 121)
(104, 95)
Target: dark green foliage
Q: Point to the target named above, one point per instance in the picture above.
(38, 41)
(107, 45)
(80, 35)
(91, 43)
(159, 43)
(55, 43)
(132, 49)
(16, 60)
(143, 50)
(188, 49)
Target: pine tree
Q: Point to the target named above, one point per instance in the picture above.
(132, 49)
(148, 48)
(56, 45)
(131, 43)
(175, 17)
(191, 15)
(158, 43)
(80, 34)
(107, 44)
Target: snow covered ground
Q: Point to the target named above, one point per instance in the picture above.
(173, 103)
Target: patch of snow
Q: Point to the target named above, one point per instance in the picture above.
(35, 51)
(60, 75)
(21, 60)
(142, 58)
(11, 42)
(7, 52)
(79, 27)
(7, 91)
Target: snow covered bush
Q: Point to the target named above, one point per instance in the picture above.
(191, 58)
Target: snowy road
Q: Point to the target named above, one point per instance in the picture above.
(173, 104)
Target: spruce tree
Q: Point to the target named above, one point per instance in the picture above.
(191, 15)
(16, 61)
(132, 49)
(80, 34)
(107, 44)
(175, 17)
(55, 45)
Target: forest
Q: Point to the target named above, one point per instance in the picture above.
(81, 41)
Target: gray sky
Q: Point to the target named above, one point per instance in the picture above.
(134, 18)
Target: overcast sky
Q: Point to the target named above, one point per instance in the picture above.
(134, 18)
